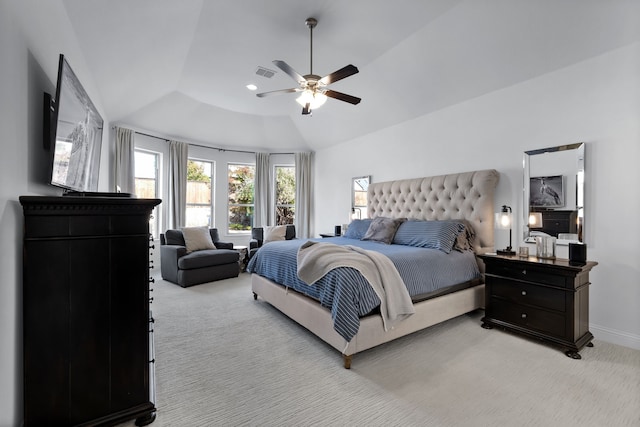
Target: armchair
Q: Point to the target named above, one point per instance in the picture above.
(188, 269)
(257, 237)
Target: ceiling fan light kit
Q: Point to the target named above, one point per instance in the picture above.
(313, 99)
(313, 87)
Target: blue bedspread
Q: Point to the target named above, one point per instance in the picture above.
(346, 292)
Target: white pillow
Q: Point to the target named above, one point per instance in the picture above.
(197, 238)
(275, 233)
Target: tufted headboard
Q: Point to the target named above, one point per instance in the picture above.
(467, 195)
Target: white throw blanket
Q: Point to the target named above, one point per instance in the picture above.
(316, 259)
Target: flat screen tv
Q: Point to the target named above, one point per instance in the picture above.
(546, 191)
(73, 128)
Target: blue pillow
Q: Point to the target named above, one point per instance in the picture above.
(429, 234)
(357, 229)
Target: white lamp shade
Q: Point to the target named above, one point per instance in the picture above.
(535, 220)
(503, 220)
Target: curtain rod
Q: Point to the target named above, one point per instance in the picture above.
(199, 145)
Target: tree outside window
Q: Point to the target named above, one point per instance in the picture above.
(199, 193)
(241, 204)
(285, 194)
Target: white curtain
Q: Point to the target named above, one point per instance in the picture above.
(125, 163)
(262, 191)
(304, 188)
(178, 158)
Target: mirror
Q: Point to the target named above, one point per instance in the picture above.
(359, 188)
(553, 194)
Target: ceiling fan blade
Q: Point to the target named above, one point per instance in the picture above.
(275, 92)
(287, 69)
(342, 73)
(342, 97)
(306, 109)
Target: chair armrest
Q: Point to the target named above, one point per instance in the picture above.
(223, 245)
(254, 244)
(169, 255)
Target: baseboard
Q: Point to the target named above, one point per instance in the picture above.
(614, 336)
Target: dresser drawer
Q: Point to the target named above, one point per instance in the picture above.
(527, 317)
(528, 294)
(530, 274)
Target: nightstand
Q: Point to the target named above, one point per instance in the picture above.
(540, 298)
(325, 235)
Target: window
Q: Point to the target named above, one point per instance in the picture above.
(199, 193)
(240, 182)
(147, 185)
(285, 194)
(360, 186)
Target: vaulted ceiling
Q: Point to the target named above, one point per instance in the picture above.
(180, 67)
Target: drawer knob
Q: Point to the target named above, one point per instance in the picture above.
(524, 292)
(524, 315)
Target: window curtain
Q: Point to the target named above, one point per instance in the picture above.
(178, 158)
(304, 188)
(262, 193)
(125, 163)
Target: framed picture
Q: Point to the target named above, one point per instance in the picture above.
(546, 191)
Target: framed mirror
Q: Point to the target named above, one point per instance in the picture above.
(553, 194)
(359, 188)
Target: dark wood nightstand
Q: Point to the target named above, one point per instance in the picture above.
(544, 299)
(325, 235)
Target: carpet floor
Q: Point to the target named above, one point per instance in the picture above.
(223, 359)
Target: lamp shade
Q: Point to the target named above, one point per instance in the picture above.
(503, 220)
(535, 220)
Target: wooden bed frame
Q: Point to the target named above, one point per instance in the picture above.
(467, 195)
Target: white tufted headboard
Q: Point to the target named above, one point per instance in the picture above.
(467, 195)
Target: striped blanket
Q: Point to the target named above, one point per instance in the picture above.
(316, 259)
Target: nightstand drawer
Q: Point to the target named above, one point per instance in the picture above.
(530, 274)
(527, 317)
(524, 293)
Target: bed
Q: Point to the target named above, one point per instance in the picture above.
(457, 198)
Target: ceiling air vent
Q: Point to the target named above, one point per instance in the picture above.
(265, 72)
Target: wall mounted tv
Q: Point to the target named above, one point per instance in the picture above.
(73, 134)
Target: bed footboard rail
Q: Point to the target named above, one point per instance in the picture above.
(317, 319)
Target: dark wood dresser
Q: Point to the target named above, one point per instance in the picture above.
(544, 299)
(86, 318)
(556, 222)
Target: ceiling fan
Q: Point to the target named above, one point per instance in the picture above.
(313, 87)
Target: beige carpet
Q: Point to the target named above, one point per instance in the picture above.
(224, 359)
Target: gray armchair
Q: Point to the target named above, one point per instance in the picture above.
(188, 269)
(257, 238)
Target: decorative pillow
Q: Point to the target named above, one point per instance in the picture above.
(357, 229)
(275, 233)
(465, 239)
(382, 229)
(429, 234)
(197, 238)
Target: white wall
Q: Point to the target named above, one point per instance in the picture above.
(32, 35)
(596, 101)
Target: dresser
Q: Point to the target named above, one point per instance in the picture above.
(540, 298)
(556, 222)
(88, 356)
